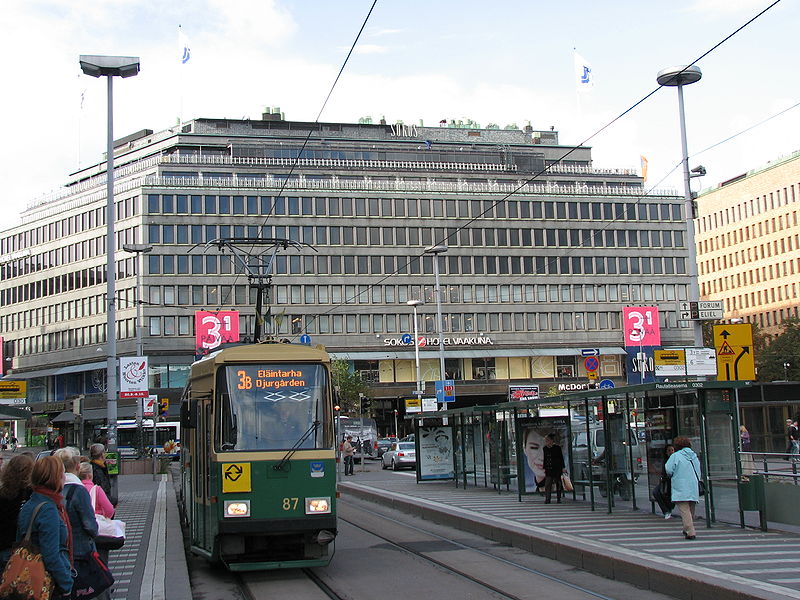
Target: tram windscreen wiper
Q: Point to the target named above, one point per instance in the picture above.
(297, 444)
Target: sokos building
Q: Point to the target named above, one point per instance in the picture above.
(536, 269)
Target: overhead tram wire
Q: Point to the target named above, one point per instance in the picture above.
(310, 131)
(546, 169)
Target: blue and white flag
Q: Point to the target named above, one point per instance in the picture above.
(584, 74)
(183, 42)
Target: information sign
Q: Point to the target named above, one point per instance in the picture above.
(13, 389)
(446, 390)
(236, 477)
(669, 363)
(413, 405)
(701, 361)
(429, 405)
(734, 346)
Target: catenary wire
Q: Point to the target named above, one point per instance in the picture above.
(546, 169)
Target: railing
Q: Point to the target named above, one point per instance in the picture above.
(790, 471)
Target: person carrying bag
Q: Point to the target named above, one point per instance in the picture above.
(46, 537)
(25, 575)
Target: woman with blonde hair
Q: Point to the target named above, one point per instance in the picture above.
(51, 531)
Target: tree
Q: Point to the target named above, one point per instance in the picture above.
(779, 359)
(349, 385)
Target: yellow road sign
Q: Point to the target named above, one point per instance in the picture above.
(236, 477)
(734, 346)
(10, 390)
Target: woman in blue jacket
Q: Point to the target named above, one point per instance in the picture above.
(683, 468)
(51, 530)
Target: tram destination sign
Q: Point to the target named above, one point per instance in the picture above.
(704, 310)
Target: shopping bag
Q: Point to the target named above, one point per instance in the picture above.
(110, 532)
(92, 579)
(25, 575)
(566, 482)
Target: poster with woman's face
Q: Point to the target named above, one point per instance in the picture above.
(531, 438)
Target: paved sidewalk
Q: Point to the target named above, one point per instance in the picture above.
(153, 550)
(633, 546)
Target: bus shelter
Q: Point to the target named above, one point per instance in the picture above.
(613, 439)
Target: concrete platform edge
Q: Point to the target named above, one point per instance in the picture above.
(641, 572)
(176, 578)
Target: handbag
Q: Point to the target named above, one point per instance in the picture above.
(92, 579)
(566, 482)
(110, 532)
(25, 575)
(701, 485)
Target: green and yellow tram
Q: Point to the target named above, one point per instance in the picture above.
(258, 457)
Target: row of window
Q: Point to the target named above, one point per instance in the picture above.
(181, 204)
(749, 208)
(422, 236)
(750, 277)
(748, 255)
(64, 255)
(71, 225)
(753, 231)
(413, 265)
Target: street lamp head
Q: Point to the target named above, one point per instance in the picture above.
(415, 303)
(684, 75)
(112, 66)
(137, 248)
(437, 249)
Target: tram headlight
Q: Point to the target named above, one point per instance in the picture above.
(317, 506)
(237, 508)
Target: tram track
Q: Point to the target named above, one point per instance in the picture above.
(450, 568)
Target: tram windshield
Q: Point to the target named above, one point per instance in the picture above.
(272, 406)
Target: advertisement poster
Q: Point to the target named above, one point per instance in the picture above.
(133, 377)
(435, 453)
(532, 434)
(641, 326)
(640, 365)
(212, 329)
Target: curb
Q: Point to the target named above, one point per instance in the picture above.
(177, 570)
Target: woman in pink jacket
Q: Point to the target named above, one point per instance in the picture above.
(102, 505)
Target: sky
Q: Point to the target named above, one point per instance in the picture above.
(509, 62)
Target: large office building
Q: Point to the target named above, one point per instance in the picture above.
(542, 252)
(748, 242)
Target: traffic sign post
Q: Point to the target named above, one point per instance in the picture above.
(705, 310)
(734, 347)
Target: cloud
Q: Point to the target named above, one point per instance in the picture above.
(717, 7)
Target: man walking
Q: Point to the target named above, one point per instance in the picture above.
(554, 467)
(348, 451)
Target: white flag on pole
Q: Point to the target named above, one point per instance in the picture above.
(584, 74)
(183, 43)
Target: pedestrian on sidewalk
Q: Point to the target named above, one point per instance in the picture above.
(662, 493)
(15, 489)
(51, 530)
(683, 467)
(348, 452)
(97, 456)
(554, 467)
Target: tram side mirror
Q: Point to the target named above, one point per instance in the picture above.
(189, 414)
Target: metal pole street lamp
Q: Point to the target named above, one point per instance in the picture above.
(436, 251)
(110, 67)
(420, 389)
(786, 365)
(679, 77)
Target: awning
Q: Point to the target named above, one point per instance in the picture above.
(58, 370)
(65, 417)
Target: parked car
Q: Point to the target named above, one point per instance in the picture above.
(399, 455)
(383, 445)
